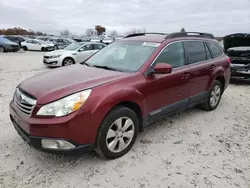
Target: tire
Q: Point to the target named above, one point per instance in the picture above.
(2, 49)
(42, 49)
(68, 61)
(25, 48)
(215, 94)
(104, 146)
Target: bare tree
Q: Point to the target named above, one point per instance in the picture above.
(133, 31)
(90, 32)
(66, 33)
(113, 34)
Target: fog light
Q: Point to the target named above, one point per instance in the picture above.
(56, 144)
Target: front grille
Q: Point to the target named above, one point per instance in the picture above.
(24, 103)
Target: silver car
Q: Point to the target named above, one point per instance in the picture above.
(72, 54)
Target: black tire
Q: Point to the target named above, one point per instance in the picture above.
(25, 48)
(207, 105)
(43, 49)
(64, 63)
(118, 112)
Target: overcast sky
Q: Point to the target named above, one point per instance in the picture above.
(219, 17)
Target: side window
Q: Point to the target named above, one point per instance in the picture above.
(88, 47)
(173, 54)
(98, 46)
(35, 42)
(196, 51)
(215, 51)
(29, 41)
(208, 52)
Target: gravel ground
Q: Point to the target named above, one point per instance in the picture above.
(191, 149)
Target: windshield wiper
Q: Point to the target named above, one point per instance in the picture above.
(106, 67)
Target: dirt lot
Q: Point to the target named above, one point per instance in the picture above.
(191, 149)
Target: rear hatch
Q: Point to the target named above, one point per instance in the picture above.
(237, 47)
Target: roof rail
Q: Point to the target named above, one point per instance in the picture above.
(189, 34)
(142, 34)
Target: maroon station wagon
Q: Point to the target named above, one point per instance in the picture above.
(103, 103)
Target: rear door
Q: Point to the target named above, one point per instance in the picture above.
(201, 65)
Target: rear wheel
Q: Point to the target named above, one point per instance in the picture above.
(68, 61)
(25, 48)
(117, 133)
(214, 97)
(2, 49)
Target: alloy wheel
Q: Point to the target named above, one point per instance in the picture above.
(215, 95)
(68, 62)
(120, 134)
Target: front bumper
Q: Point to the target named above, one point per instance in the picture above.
(52, 62)
(36, 142)
(68, 128)
(240, 70)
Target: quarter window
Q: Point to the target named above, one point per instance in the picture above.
(196, 51)
(173, 54)
(215, 51)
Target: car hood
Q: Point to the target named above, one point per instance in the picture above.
(55, 84)
(236, 40)
(56, 52)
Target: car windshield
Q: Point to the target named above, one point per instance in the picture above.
(73, 46)
(4, 40)
(123, 56)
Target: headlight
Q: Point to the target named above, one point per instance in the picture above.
(65, 105)
(55, 56)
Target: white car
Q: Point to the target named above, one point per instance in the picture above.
(95, 39)
(38, 45)
(72, 54)
(107, 40)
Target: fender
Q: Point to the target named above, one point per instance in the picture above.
(106, 103)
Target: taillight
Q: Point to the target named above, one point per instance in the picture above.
(229, 60)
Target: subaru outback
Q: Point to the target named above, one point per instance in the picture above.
(103, 103)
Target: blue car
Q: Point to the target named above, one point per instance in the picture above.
(8, 46)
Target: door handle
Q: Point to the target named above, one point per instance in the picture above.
(185, 76)
(211, 68)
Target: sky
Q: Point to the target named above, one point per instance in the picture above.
(219, 17)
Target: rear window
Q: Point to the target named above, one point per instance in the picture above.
(214, 49)
(196, 51)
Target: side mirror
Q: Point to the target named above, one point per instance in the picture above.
(162, 68)
(81, 50)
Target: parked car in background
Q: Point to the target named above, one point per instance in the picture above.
(95, 39)
(107, 40)
(72, 54)
(237, 47)
(61, 43)
(103, 103)
(37, 45)
(16, 39)
(7, 45)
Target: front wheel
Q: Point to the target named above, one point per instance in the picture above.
(214, 97)
(25, 48)
(117, 133)
(68, 61)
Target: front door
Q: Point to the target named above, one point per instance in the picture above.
(168, 92)
(84, 52)
(198, 60)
